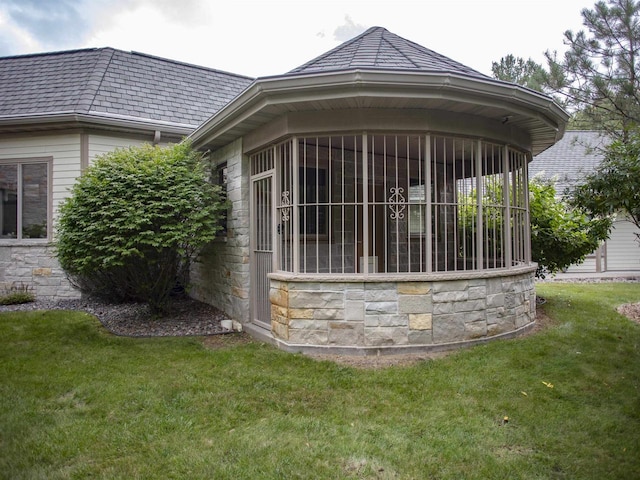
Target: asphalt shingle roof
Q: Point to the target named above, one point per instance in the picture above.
(380, 49)
(111, 82)
(578, 153)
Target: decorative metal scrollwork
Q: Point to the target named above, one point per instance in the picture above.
(286, 204)
(397, 203)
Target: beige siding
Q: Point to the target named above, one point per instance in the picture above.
(623, 249)
(101, 144)
(588, 266)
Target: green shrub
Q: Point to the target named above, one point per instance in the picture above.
(135, 221)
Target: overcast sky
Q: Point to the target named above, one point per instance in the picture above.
(260, 38)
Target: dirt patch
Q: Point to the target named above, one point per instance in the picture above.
(631, 311)
(381, 361)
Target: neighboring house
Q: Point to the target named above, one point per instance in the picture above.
(354, 223)
(577, 154)
(58, 111)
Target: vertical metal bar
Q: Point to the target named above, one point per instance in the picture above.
(506, 198)
(365, 202)
(429, 203)
(479, 219)
(295, 213)
(373, 206)
(317, 205)
(527, 214)
(385, 204)
(327, 206)
(342, 206)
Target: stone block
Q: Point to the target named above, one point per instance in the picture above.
(448, 328)
(371, 320)
(376, 308)
(352, 294)
(309, 337)
(450, 296)
(442, 308)
(328, 314)
(393, 320)
(315, 299)
(414, 288)
(420, 337)
(495, 300)
(475, 293)
(420, 321)
(415, 304)
(475, 330)
(299, 312)
(280, 311)
(240, 292)
(346, 334)
(475, 316)
(494, 286)
(453, 286)
(381, 295)
(381, 336)
(305, 324)
(469, 306)
(522, 320)
(354, 310)
(280, 330)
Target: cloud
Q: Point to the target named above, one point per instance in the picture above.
(348, 30)
(49, 23)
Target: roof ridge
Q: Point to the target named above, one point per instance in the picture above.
(48, 54)
(392, 45)
(100, 67)
(337, 48)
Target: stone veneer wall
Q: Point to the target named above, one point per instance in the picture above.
(221, 275)
(382, 313)
(37, 267)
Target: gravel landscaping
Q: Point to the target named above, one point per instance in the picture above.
(185, 316)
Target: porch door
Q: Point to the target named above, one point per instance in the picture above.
(262, 246)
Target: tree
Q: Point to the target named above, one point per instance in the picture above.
(516, 70)
(615, 185)
(599, 74)
(135, 221)
(561, 234)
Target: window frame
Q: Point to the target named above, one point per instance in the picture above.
(19, 163)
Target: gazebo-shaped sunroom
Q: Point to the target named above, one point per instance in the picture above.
(383, 189)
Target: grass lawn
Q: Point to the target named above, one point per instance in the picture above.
(77, 402)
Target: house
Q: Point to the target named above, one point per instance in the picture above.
(361, 217)
(577, 154)
(58, 111)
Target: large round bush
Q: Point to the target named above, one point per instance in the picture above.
(135, 221)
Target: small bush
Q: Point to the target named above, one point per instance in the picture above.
(17, 293)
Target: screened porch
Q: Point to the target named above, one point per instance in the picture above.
(395, 203)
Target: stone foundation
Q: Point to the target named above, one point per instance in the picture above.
(34, 266)
(387, 314)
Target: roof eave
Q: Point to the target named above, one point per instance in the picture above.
(280, 90)
(69, 119)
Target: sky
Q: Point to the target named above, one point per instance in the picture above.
(262, 38)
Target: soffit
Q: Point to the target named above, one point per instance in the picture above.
(268, 98)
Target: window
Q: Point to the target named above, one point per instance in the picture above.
(24, 199)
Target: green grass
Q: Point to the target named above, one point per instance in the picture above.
(77, 402)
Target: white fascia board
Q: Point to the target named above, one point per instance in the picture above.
(95, 119)
(348, 84)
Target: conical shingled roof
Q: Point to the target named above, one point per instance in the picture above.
(377, 48)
